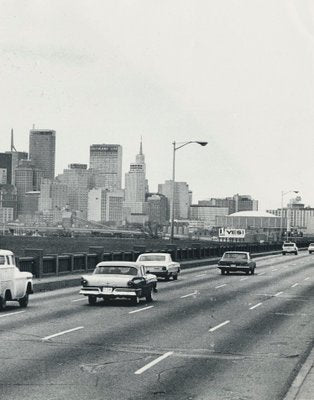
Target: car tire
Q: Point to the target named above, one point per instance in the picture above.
(167, 278)
(150, 296)
(222, 272)
(24, 301)
(296, 253)
(247, 272)
(228, 272)
(2, 304)
(252, 271)
(135, 300)
(175, 277)
(92, 300)
(283, 253)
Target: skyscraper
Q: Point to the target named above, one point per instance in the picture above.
(136, 184)
(106, 162)
(42, 150)
(182, 197)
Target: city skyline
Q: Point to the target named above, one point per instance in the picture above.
(180, 71)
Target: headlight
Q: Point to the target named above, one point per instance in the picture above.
(164, 268)
(131, 284)
(84, 282)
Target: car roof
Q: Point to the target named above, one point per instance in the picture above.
(118, 264)
(236, 252)
(154, 254)
(6, 253)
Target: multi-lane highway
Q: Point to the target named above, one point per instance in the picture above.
(207, 336)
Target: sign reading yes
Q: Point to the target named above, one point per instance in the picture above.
(232, 233)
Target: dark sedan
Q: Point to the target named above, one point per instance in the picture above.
(235, 261)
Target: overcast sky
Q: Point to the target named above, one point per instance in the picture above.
(235, 73)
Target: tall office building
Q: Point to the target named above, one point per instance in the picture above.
(105, 205)
(53, 195)
(42, 150)
(182, 197)
(106, 162)
(136, 184)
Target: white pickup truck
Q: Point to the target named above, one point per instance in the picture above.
(14, 284)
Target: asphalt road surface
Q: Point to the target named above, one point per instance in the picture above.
(207, 336)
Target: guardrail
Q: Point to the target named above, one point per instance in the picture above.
(41, 265)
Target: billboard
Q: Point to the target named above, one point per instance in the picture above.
(232, 233)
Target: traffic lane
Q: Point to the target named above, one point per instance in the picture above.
(140, 326)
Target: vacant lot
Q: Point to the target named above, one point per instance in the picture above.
(58, 245)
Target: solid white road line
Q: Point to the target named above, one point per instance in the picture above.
(188, 295)
(73, 301)
(217, 287)
(218, 326)
(278, 294)
(256, 305)
(62, 333)
(152, 363)
(12, 313)
(141, 309)
(243, 279)
(296, 284)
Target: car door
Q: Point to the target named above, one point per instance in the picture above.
(6, 275)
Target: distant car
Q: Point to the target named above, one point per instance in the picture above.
(14, 284)
(311, 248)
(160, 264)
(289, 247)
(235, 261)
(118, 279)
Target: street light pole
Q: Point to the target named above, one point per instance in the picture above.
(180, 145)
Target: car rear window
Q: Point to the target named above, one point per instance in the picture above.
(152, 258)
(289, 244)
(116, 270)
(235, 256)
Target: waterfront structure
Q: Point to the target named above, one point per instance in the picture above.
(182, 196)
(207, 214)
(136, 185)
(105, 160)
(42, 150)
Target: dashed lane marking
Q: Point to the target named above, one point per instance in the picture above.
(73, 301)
(218, 326)
(256, 305)
(200, 275)
(188, 295)
(306, 279)
(243, 279)
(294, 285)
(140, 309)
(152, 363)
(12, 313)
(261, 273)
(217, 287)
(63, 333)
(275, 269)
(278, 294)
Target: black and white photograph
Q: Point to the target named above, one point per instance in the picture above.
(157, 200)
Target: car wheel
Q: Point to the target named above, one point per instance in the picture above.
(252, 271)
(150, 296)
(296, 253)
(175, 277)
(2, 304)
(135, 300)
(228, 272)
(92, 300)
(167, 277)
(247, 272)
(24, 301)
(283, 253)
(222, 272)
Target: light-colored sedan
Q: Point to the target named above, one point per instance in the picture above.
(311, 248)
(118, 279)
(160, 264)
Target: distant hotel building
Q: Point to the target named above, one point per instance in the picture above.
(105, 160)
(42, 150)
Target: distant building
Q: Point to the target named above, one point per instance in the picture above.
(136, 185)
(157, 208)
(8, 199)
(234, 204)
(3, 176)
(207, 214)
(53, 195)
(27, 179)
(9, 162)
(105, 205)
(106, 162)
(42, 150)
(78, 180)
(182, 197)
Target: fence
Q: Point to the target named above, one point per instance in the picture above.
(41, 265)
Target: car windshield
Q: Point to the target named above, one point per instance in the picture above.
(312, 244)
(152, 258)
(116, 270)
(2, 260)
(235, 256)
(288, 244)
